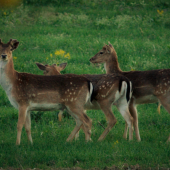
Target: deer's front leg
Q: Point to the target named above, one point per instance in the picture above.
(28, 126)
(21, 121)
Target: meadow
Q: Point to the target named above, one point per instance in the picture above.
(74, 31)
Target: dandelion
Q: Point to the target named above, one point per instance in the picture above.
(4, 13)
(67, 56)
(57, 52)
(15, 58)
(160, 12)
(60, 52)
(51, 55)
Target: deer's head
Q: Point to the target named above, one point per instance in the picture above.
(51, 70)
(104, 55)
(6, 49)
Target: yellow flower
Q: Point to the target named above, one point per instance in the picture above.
(60, 52)
(4, 13)
(15, 58)
(46, 58)
(57, 52)
(116, 142)
(51, 55)
(160, 12)
(67, 56)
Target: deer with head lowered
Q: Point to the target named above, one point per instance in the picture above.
(108, 90)
(28, 92)
(148, 86)
(53, 70)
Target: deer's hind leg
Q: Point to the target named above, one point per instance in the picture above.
(123, 108)
(106, 108)
(82, 120)
(165, 101)
(133, 112)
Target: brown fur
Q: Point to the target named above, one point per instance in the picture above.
(53, 69)
(148, 86)
(104, 95)
(29, 92)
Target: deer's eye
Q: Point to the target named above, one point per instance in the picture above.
(101, 52)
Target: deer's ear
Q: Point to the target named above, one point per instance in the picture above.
(41, 66)
(104, 48)
(14, 44)
(62, 66)
(110, 45)
(108, 49)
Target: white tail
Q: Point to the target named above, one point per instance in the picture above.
(148, 86)
(28, 92)
(109, 90)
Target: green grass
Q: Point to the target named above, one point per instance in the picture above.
(140, 36)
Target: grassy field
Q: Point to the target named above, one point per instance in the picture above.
(73, 32)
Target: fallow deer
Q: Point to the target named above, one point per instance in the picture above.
(108, 89)
(148, 86)
(53, 70)
(28, 92)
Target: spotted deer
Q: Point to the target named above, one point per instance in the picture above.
(28, 92)
(108, 90)
(148, 86)
(53, 70)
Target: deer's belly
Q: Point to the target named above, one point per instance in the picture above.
(92, 106)
(45, 106)
(146, 99)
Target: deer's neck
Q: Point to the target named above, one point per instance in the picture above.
(7, 75)
(112, 65)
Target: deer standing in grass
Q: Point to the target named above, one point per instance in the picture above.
(108, 90)
(148, 86)
(28, 92)
(53, 70)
